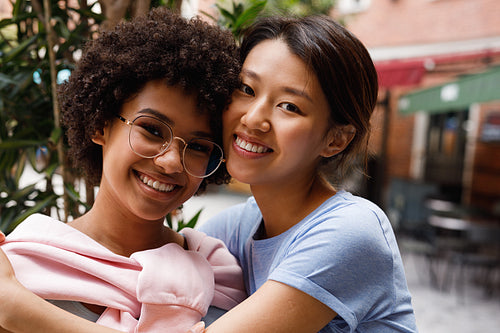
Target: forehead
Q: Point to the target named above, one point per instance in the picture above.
(170, 104)
(274, 50)
(273, 65)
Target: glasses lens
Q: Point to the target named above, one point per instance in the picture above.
(202, 157)
(149, 136)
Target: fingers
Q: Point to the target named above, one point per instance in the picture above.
(198, 328)
(6, 270)
(2, 236)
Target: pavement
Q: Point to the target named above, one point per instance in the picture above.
(457, 309)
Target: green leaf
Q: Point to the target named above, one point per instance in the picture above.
(51, 169)
(208, 15)
(192, 222)
(74, 195)
(35, 209)
(89, 13)
(6, 219)
(23, 193)
(20, 169)
(55, 135)
(16, 8)
(228, 15)
(16, 19)
(8, 159)
(16, 144)
(249, 15)
(168, 218)
(6, 80)
(20, 49)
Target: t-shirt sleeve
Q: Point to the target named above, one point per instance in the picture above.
(224, 226)
(341, 260)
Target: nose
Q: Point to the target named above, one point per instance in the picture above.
(257, 117)
(171, 159)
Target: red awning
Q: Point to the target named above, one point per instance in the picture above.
(399, 73)
(408, 72)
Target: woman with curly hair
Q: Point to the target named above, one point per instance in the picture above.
(143, 112)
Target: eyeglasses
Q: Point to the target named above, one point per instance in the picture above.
(150, 137)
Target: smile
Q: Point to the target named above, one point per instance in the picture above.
(161, 187)
(250, 147)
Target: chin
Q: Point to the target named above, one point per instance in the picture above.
(242, 177)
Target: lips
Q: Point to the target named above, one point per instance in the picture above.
(155, 184)
(251, 147)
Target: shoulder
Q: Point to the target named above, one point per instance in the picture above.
(345, 226)
(347, 204)
(345, 213)
(232, 219)
(39, 227)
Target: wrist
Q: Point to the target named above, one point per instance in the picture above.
(12, 294)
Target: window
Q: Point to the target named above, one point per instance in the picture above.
(445, 153)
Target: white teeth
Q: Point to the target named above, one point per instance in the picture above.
(250, 147)
(156, 184)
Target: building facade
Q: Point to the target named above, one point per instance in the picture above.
(446, 48)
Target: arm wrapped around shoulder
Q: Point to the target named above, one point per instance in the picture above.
(229, 285)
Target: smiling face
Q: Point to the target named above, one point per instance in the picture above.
(149, 188)
(276, 128)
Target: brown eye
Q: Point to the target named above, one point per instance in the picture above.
(247, 90)
(290, 107)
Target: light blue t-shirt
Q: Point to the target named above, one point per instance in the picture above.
(344, 254)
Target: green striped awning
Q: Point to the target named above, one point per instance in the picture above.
(459, 94)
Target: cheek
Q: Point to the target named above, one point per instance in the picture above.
(194, 184)
(235, 110)
(230, 119)
(301, 140)
(229, 115)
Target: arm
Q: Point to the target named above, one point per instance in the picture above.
(275, 307)
(37, 315)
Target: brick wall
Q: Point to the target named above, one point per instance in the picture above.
(401, 22)
(392, 23)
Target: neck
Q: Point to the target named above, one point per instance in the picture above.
(284, 205)
(124, 235)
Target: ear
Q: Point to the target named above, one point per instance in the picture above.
(338, 139)
(98, 137)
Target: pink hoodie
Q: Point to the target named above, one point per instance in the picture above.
(167, 289)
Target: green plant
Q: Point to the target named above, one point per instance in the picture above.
(239, 17)
(40, 40)
(30, 58)
(177, 222)
(301, 7)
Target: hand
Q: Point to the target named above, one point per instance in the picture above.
(198, 328)
(6, 270)
(9, 286)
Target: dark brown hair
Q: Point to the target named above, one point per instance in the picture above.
(342, 65)
(192, 54)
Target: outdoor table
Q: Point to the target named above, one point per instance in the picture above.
(466, 242)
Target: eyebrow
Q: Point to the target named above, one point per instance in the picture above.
(170, 122)
(157, 114)
(286, 89)
(298, 93)
(250, 73)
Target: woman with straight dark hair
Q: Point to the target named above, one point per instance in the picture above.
(314, 257)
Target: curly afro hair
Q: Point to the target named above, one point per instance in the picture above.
(193, 54)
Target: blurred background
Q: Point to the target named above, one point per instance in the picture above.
(434, 165)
